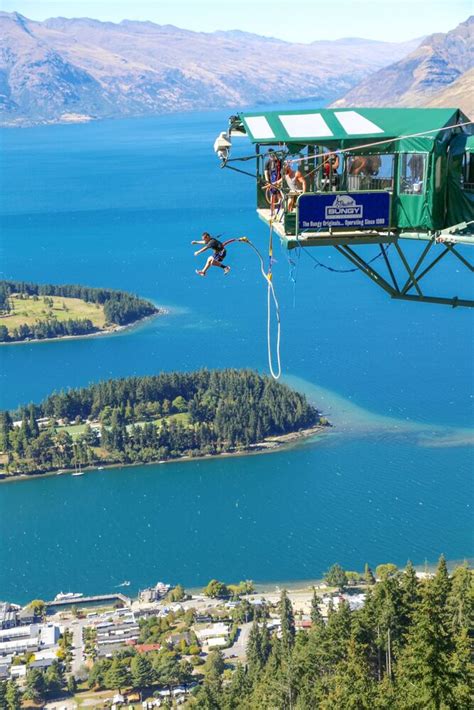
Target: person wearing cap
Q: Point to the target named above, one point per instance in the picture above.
(272, 169)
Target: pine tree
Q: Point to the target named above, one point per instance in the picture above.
(33, 426)
(13, 695)
(276, 685)
(167, 669)
(368, 575)
(336, 577)
(387, 608)
(440, 585)
(254, 650)
(141, 671)
(238, 689)
(462, 669)
(265, 642)
(71, 685)
(410, 596)
(35, 687)
(338, 632)
(213, 681)
(54, 678)
(461, 599)
(424, 669)
(351, 687)
(287, 621)
(316, 616)
(116, 677)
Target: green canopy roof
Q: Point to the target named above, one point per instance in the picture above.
(351, 126)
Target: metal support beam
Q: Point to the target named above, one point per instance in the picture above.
(395, 293)
(454, 301)
(460, 257)
(365, 268)
(428, 268)
(389, 267)
(418, 263)
(414, 282)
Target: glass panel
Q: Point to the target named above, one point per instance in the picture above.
(468, 172)
(328, 172)
(412, 173)
(370, 172)
(438, 173)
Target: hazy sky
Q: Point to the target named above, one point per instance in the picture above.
(302, 20)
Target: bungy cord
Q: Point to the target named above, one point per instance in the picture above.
(275, 372)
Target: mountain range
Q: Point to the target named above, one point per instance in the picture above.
(437, 73)
(64, 69)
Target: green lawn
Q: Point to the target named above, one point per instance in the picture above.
(26, 311)
(182, 417)
(76, 430)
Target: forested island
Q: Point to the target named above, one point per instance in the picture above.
(30, 311)
(154, 418)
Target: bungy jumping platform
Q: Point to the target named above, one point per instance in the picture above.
(402, 280)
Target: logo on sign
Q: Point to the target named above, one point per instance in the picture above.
(343, 206)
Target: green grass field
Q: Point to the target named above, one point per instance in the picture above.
(28, 311)
(75, 430)
(182, 418)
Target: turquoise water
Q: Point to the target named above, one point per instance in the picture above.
(115, 204)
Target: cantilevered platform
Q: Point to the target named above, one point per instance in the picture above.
(401, 277)
(324, 239)
(462, 233)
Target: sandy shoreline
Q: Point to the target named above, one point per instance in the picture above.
(97, 333)
(268, 445)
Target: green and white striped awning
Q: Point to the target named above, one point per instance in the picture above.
(336, 125)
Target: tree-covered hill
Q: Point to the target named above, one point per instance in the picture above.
(408, 648)
(144, 419)
(31, 311)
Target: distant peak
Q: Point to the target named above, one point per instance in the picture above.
(241, 34)
(18, 19)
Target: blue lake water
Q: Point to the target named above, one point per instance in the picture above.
(115, 204)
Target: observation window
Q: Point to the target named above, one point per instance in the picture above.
(468, 171)
(412, 173)
(438, 173)
(370, 172)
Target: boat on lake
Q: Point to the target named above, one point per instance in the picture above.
(77, 473)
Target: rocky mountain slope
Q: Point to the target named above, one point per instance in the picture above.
(426, 73)
(460, 94)
(60, 68)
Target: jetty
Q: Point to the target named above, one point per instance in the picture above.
(91, 600)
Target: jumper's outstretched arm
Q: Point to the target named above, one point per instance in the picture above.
(200, 251)
(200, 241)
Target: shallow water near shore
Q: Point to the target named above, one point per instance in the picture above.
(115, 204)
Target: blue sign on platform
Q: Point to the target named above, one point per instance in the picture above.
(348, 210)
